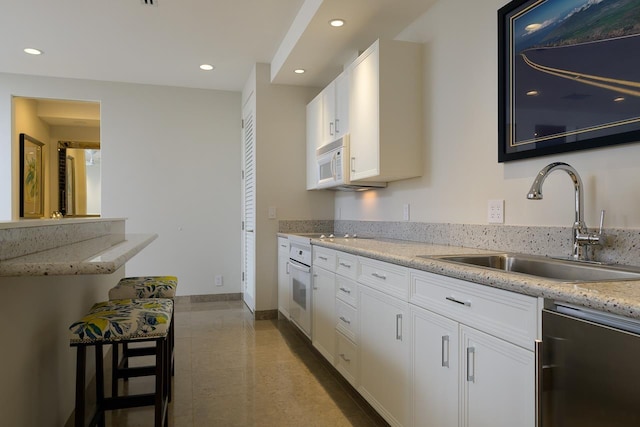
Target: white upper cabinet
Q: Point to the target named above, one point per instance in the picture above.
(314, 139)
(335, 108)
(385, 112)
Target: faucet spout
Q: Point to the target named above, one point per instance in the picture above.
(581, 235)
(535, 192)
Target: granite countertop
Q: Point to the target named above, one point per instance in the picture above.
(617, 297)
(100, 255)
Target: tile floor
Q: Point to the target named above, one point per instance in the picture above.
(233, 371)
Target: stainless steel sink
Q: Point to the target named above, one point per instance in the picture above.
(550, 268)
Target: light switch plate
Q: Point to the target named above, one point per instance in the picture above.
(272, 212)
(495, 213)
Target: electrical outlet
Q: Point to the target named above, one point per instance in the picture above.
(405, 212)
(218, 280)
(495, 213)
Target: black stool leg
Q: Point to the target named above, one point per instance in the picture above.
(80, 381)
(161, 387)
(115, 361)
(100, 385)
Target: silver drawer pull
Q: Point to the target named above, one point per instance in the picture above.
(445, 351)
(345, 358)
(345, 290)
(379, 276)
(324, 258)
(452, 299)
(345, 265)
(345, 320)
(471, 370)
(399, 327)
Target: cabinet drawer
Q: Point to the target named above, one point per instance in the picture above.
(347, 265)
(346, 359)
(388, 278)
(346, 320)
(346, 290)
(507, 315)
(325, 258)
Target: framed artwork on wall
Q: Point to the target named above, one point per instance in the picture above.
(568, 76)
(31, 178)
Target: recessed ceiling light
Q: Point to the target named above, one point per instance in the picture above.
(32, 51)
(533, 93)
(618, 99)
(207, 67)
(299, 71)
(336, 22)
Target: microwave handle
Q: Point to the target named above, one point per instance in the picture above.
(333, 166)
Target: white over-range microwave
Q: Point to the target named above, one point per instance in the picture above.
(333, 163)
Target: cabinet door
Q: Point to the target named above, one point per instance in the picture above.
(364, 107)
(329, 113)
(314, 139)
(497, 382)
(323, 335)
(342, 105)
(384, 354)
(283, 276)
(434, 369)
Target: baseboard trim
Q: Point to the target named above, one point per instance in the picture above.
(207, 298)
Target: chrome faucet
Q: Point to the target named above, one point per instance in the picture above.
(581, 235)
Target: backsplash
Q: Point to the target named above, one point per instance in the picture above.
(622, 247)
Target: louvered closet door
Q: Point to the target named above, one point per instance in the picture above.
(249, 207)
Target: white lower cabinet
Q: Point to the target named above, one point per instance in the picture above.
(426, 350)
(497, 383)
(323, 335)
(464, 377)
(434, 369)
(383, 341)
(283, 276)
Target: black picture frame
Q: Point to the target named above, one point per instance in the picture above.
(568, 76)
(31, 177)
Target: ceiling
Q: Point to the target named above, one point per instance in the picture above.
(165, 43)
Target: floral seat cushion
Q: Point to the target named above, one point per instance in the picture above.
(145, 287)
(123, 320)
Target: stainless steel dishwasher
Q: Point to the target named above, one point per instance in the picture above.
(588, 369)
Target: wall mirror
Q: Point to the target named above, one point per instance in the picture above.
(70, 131)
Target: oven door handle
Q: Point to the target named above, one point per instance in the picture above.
(299, 267)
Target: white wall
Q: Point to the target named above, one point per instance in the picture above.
(170, 164)
(280, 173)
(461, 140)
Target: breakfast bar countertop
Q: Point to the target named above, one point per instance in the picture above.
(617, 297)
(99, 255)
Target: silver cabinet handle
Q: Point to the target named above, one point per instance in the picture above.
(331, 128)
(538, 386)
(399, 327)
(283, 246)
(445, 351)
(324, 258)
(345, 320)
(337, 121)
(345, 265)
(345, 290)
(471, 368)
(452, 299)
(353, 164)
(287, 267)
(345, 358)
(379, 276)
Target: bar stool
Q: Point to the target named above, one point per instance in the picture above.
(143, 287)
(123, 321)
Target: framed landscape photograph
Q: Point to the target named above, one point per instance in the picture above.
(31, 178)
(568, 76)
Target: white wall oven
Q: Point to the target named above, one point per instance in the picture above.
(300, 281)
